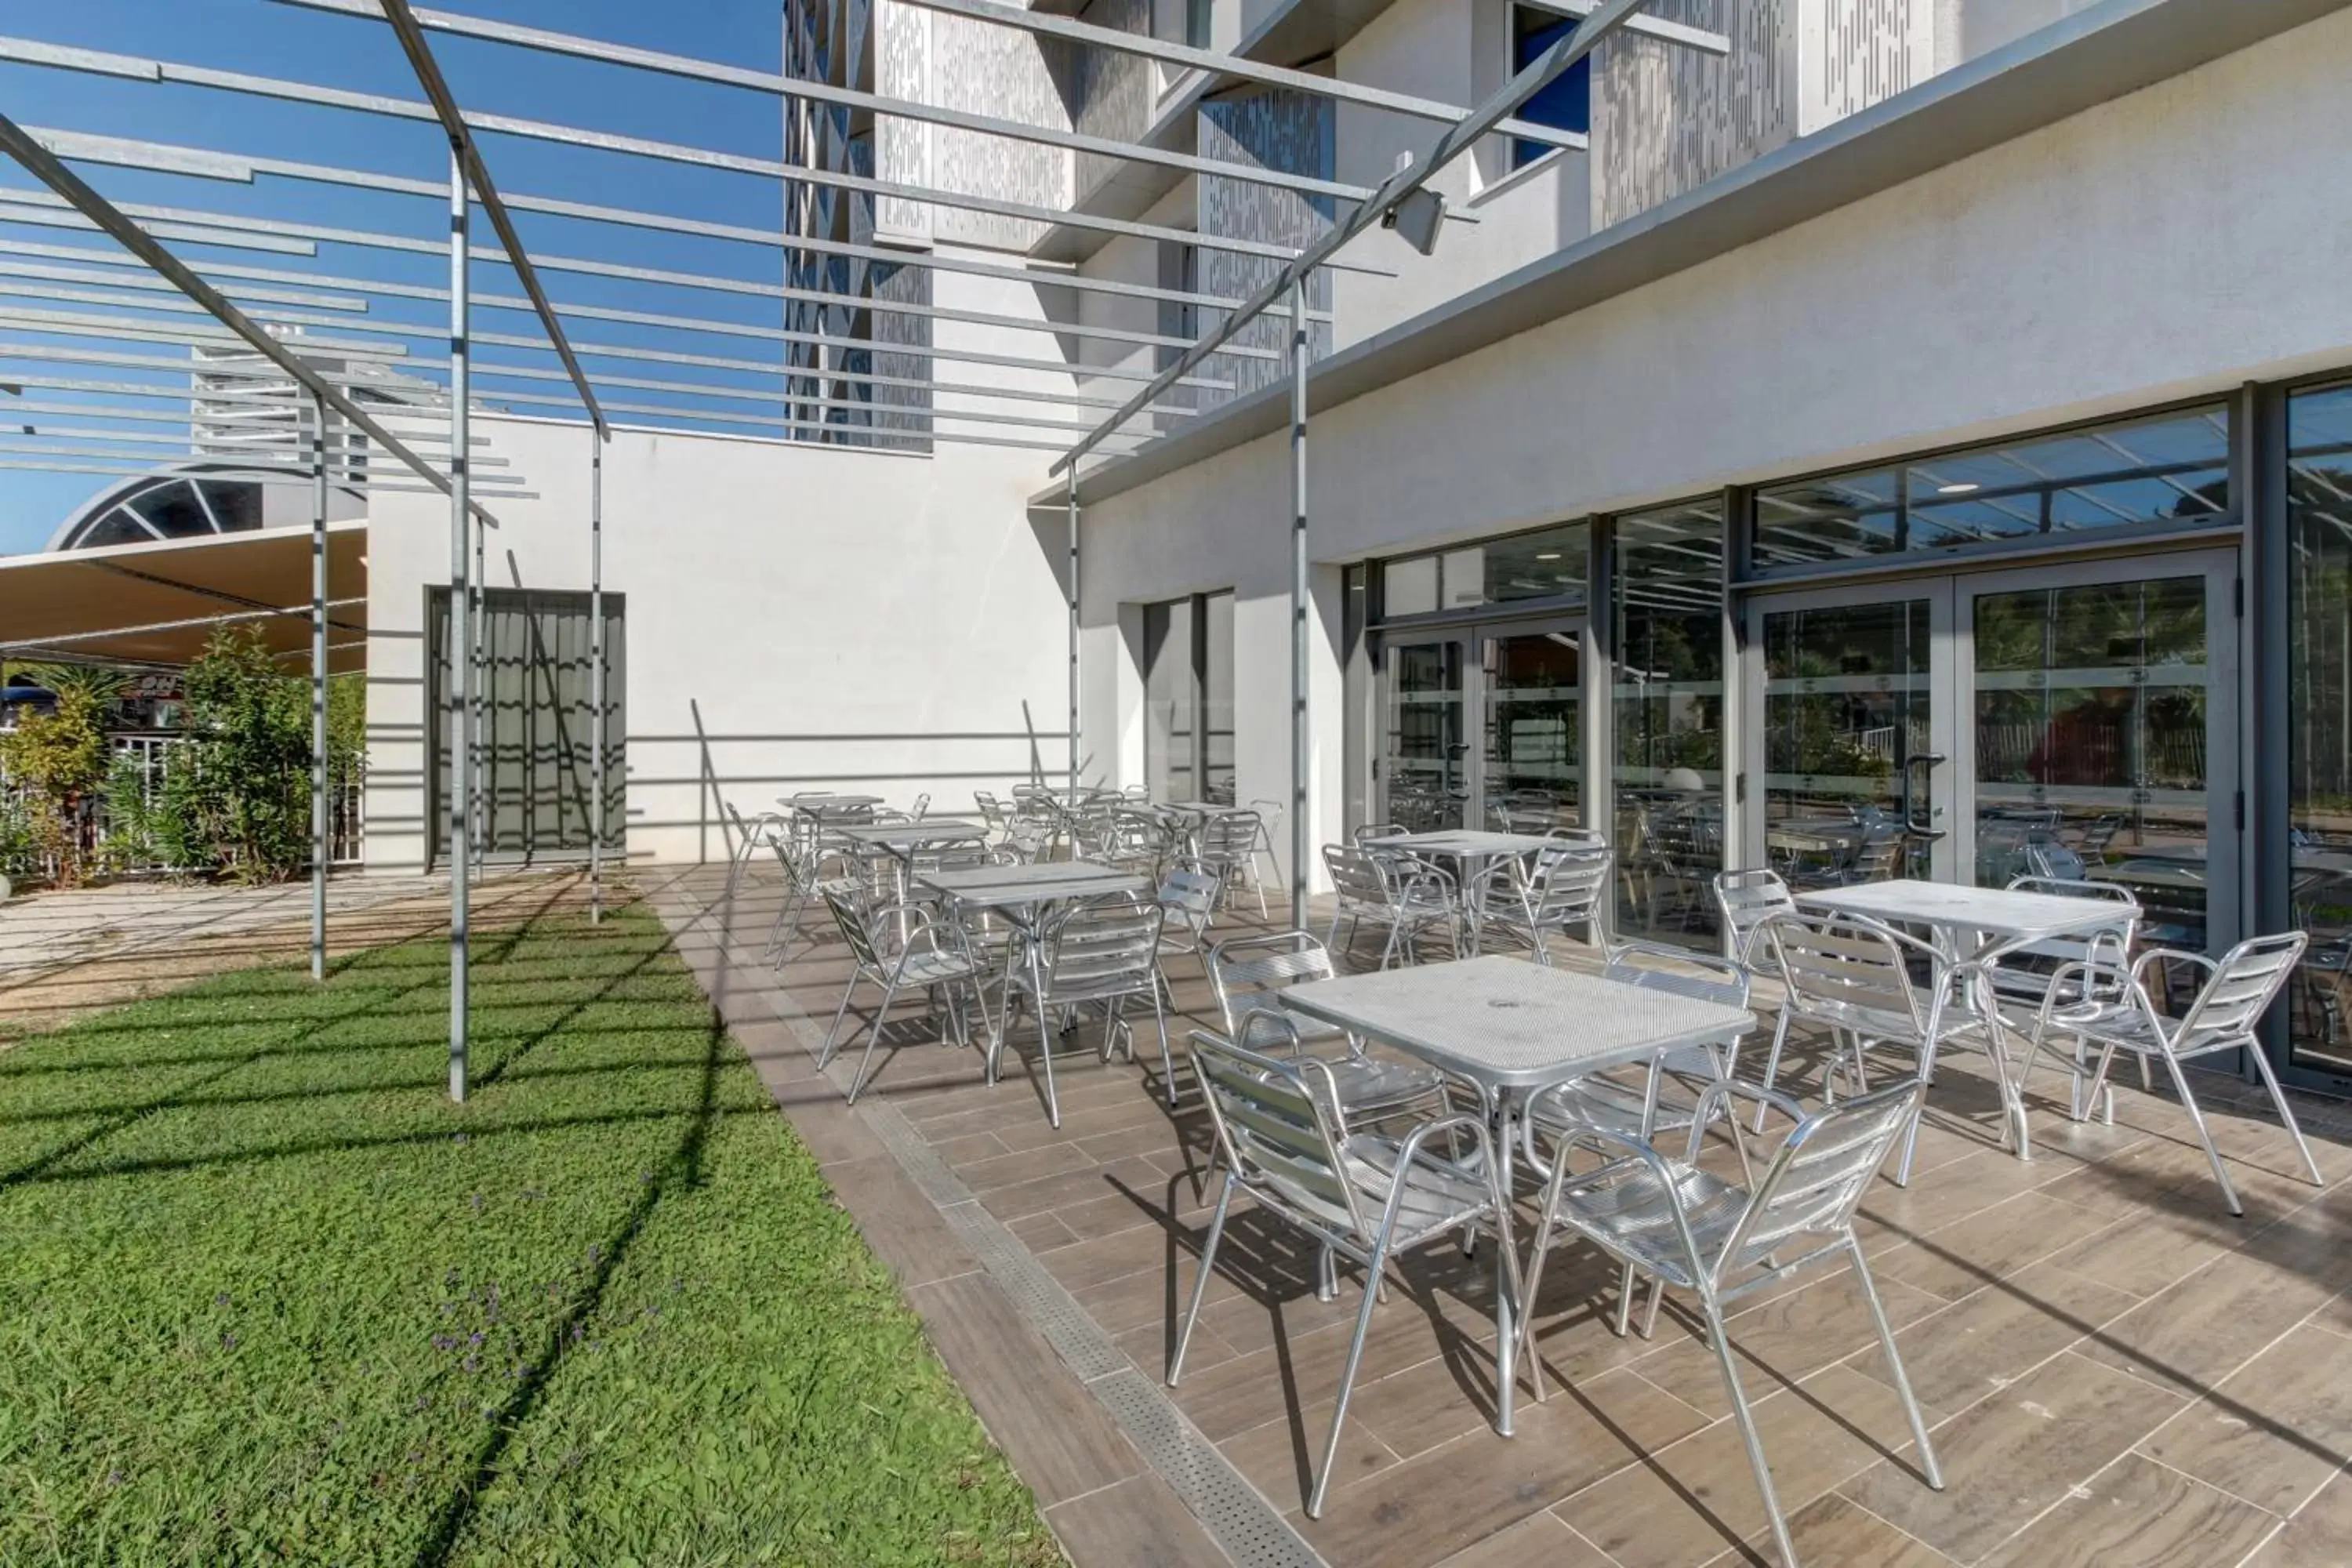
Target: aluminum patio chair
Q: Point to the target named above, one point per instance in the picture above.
(1399, 892)
(2102, 956)
(1189, 895)
(1363, 1195)
(1745, 899)
(2225, 1016)
(1852, 976)
(1099, 950)
(1228, 851)
(1552, 890)
(768, 830)
(995, 815)
(1372, 832)
(1691, 1230)
(1247, 976)
(901, 948)
(811, 872)
(1670, 1097)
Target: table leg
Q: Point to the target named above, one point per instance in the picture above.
(1507, 1336)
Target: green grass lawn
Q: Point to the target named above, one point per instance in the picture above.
(267, 1296)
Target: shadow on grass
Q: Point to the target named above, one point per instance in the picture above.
(683, 1170)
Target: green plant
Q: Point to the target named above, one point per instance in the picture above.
(250, 734)
(57, 761)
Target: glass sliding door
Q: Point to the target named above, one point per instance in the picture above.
(1425, 754)
(2093, 707)
(2319, 726)
(1532, 714)
(2069, 721)
(1848, 770)
(1667, 720)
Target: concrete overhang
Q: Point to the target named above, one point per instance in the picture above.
(2097, 54)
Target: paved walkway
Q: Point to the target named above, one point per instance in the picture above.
(66, 953)
(2116, 1371)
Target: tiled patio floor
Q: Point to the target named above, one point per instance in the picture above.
(2116, 1370)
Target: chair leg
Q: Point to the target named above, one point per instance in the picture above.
(2278, 1097)
(1200, 1285)
(1748, 1435)
(2204, 1135)
(824, 1052)
(1772, 1062)
(1373, 1268)
(1927, 1466)
(873, 1040)
(1045, 1056)
(1167, 1060)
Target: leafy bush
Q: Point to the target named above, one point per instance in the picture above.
(57, 761)
(249, 753)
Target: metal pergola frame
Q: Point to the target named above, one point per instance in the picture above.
(95, 286)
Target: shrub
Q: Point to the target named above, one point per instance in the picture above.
(57, 761)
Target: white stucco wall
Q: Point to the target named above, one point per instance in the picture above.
(2160, 245)
(827, 619)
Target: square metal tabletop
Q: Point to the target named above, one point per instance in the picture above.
(1469, 841)
(1949, 907)
(1506, 1023)
(1018, 887)
(930, 830)
(817, 804)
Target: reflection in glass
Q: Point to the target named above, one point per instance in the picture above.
(2167, 468)
(1425, 757)
(1554, 563)
(2090, 741)
(1667, 719)
(1847, 707)
(2319, 727)
(1533, 691)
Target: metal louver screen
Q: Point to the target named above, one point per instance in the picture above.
(535, 724)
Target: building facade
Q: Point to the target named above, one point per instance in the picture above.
(1915, 439)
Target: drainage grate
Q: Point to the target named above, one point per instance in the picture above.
(1243, 1524)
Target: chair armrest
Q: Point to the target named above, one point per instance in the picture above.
(1637, 1151)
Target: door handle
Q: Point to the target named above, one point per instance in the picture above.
(1918, 819)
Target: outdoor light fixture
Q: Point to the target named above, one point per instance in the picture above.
(1962, 489)
(1418, 217)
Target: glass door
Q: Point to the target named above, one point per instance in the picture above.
(1425, 752)
(1847, 763)
(1531, 714)
(2067, 721)
(2104, 739)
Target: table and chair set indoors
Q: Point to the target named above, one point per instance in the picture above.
(1542, 1084)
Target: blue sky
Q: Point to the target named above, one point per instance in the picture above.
(266, 40)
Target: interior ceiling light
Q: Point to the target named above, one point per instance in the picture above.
(1962, 489)
(1548, 555)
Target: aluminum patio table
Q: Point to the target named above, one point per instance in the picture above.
(1972, 928)
(1473, 849)
(1513, 1029)
(1022, 894)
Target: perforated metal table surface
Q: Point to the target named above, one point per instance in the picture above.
(1506, 1024)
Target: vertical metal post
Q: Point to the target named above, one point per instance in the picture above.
(596, 675)
(319, 824)
(477, 779)
(1299, 740)
(460, 638)
(1073, 626)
